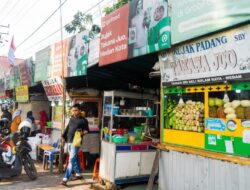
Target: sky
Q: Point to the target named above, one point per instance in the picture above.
(25, 16)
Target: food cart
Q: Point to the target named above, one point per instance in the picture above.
(126, 156)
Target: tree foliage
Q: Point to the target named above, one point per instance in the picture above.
(83, 21)
(80, 23)
(115, 6)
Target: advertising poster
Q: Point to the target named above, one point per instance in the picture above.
(13, 79)
(193, 18)
(22, 93)
(5, 66)
(2, 86)
(78, 54)
(94, 50)
(24, 75)
(149, 27)
(57, 117)
(60, 58)
(30, 67)
(41, 64)
(114, 37)
(53, 88)
(218, 58)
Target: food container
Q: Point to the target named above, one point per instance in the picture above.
(115, 110)
(119, 131)
(119, 139)
(131, 138)
(138, 132)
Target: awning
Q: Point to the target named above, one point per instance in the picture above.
(122, 75)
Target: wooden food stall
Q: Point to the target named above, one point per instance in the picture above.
(91, 104)
(205, 119)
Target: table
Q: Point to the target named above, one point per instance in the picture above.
(43, 147)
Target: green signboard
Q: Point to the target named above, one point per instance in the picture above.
(41, 64)
(149, 27)
(193, 18)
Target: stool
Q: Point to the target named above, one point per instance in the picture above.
(96, 169)
(80, 159)
(49, 155)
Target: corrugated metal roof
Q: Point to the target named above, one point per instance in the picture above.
(182, 171)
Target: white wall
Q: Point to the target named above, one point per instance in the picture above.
(35, 107)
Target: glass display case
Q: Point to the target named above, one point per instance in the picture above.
(210, 117)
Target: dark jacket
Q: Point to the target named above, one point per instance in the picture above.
(6, 114)
(75, 123)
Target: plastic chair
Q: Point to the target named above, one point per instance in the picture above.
(80, 158)
(49, 155)
(96, 169)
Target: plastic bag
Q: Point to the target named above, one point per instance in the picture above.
(77, 141)
(46, 139)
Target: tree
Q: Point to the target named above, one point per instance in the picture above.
(115, 6)
(80, 23)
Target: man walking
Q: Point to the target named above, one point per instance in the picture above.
(76, 123)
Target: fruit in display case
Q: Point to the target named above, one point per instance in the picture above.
(220, 112)
(216, 109)
(170, 105)
(188, 116)
(247, 113)
(236, 109)
(240, 112)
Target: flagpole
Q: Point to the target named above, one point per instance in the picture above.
(11, 57)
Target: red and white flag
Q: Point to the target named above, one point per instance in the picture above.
(11, 54)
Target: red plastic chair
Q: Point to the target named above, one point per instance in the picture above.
(80, 158)
(96, 169)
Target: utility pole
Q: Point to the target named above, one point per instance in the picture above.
(63, 96)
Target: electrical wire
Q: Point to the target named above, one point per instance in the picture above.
(4, 7)
(56, 31)
(24, 13)
(10, 10)
(41, 25)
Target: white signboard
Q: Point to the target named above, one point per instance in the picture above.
(94, 50)
(53, 88)
(221, 57)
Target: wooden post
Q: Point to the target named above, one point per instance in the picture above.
(154, 170)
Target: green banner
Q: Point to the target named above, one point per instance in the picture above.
(14, 79)
(42, 62)
(193, 18)
(149, 27)
(30, 67)
(78, 54)
(2, 85)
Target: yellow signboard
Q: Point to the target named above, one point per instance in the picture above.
(22, 93)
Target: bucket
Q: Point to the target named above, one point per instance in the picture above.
(49, 124)
(119, 131)
(115, 110)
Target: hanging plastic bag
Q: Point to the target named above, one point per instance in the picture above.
(77, 141)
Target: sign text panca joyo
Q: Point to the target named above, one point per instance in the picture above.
(221, 57)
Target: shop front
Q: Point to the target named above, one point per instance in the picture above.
(204, 119)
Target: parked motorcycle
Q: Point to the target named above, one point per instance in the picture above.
(21, 149)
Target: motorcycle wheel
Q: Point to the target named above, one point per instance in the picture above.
(29, 167)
